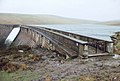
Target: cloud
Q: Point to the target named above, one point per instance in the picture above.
(85, 9)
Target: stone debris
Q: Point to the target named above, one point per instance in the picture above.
(25, 58)
(21, 51)
(10, 67)
(18, 57)
(51, 66)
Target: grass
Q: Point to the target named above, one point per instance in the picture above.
(4, 76)
(35, 75)
(19, 76)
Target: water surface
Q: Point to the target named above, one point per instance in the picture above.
(91, 30)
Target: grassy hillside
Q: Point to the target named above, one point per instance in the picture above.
(6, 18)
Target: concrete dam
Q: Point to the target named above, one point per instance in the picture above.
(66, 43)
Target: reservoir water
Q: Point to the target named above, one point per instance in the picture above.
(91, 30)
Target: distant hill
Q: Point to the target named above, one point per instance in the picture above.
(114, 23)
(6, 18)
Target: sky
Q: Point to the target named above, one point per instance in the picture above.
(99, 10)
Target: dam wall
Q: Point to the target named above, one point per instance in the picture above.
(4, 32)
(66, 45)
(25, 38)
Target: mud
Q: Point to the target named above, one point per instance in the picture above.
(48, 65)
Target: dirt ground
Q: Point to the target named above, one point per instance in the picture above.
(25, 64)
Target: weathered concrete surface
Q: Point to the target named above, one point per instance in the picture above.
(4, 32)
(24, 38)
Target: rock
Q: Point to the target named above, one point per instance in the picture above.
(44, 57)
(21, 51)
(98, 64)
(30, 55)
(115, 65)
(24, 47)
(24, 66)
(34, 57)
(51, 56)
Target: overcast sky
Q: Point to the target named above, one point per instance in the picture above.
(100, 10)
